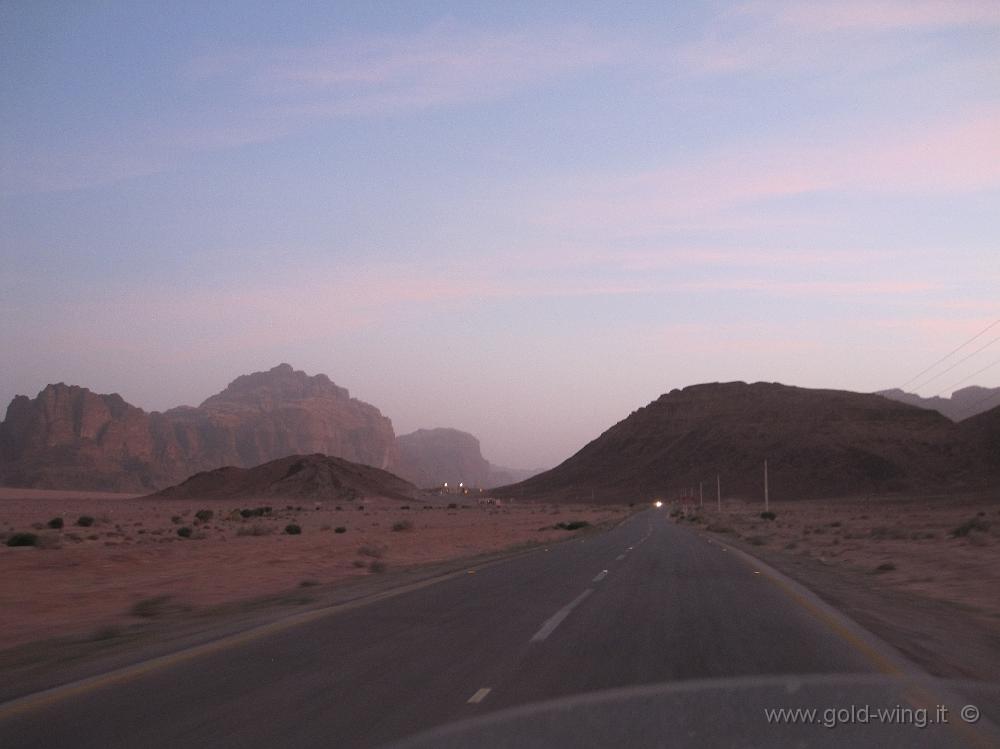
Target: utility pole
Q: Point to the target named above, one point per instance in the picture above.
(718, 491)
(701, 496)
(765, 487)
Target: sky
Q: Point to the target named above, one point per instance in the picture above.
(523, 220)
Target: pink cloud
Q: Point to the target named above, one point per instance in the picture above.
(879, 15)
(954, 156)
(441, 64)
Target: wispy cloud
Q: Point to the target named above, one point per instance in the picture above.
(952, 156)
(443, 64)
(877, 15)
(810, 36)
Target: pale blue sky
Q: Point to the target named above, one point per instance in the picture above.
(520, 221)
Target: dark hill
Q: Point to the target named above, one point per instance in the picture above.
(307, 477)
(981, 435)
(817, 442)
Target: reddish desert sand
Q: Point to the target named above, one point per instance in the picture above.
(131, 562)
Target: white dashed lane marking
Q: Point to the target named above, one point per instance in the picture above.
(556, 619)
(479, 696)
(600, 576)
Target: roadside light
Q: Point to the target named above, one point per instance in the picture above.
(658, 503)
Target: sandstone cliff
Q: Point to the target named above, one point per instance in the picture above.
(69, 436)
(431, 457)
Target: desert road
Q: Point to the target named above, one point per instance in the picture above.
(646, 603)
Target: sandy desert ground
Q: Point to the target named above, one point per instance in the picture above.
(923, 572)
(132, 564)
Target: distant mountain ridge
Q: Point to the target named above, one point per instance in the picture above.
(962, 404)
(433, 457)
(69, 437)
(818, 443)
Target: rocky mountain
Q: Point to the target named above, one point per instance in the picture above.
(817, 442)
(962, 404)
(432, 457)
(70, 437)
(308, 477)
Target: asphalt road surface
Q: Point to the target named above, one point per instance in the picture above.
(646, 603)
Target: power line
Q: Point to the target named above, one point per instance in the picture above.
(960, 361)
(949, 354)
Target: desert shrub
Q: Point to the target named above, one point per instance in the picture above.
(370, 551)
(768, 515)
(308, 583)
(405, 507)
(975, 524)
(204, 515)
(717, 528)
(247, 513)
(55, 523)
(107, 633)
(293, 529)
(376, 566)
(257, 529)
(338, 508)
(23, 539)
(885, 567)
(340, 529)
(573, 525)
(358, 563)
(402, 525)
(756, 540)
(149, 608)
(85, 521)
(184, 532)
(452, 506)
(176, 519)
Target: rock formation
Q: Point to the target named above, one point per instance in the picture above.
(70, 437)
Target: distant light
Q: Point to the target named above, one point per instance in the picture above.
(445, 484)
(658, 503)
(460, 484)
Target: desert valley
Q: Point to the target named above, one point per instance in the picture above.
(296, 502)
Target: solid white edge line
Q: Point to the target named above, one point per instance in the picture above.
(556, 619)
